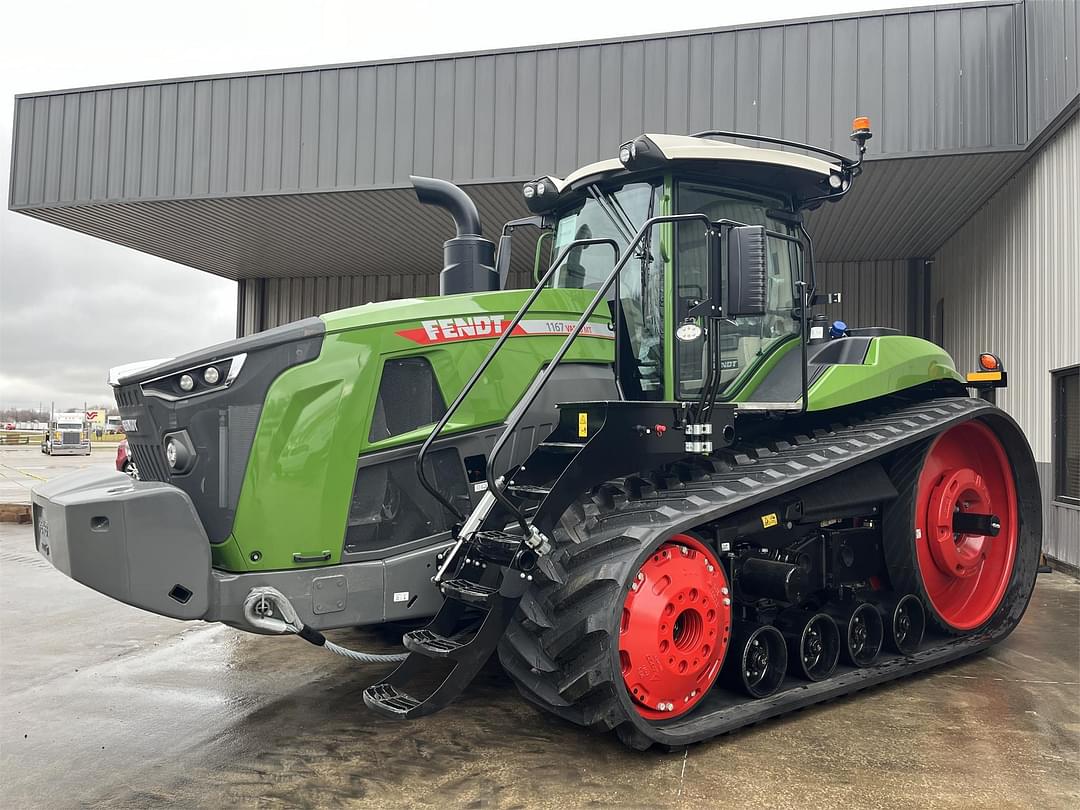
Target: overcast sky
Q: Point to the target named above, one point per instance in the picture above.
(71, 306)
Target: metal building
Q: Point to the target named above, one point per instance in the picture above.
(964, 228)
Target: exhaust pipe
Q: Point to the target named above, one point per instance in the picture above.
(468, 258)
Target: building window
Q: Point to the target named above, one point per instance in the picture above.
(1066, 454)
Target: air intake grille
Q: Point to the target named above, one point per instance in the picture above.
(127, 396)
(150, 459)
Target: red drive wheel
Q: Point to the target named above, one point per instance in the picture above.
(965, 492)
(676, 622)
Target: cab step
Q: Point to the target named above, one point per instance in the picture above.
(528, 491)
(386, 699)
(471, 593)
(495, 547)
(431, 644)
(562, 447)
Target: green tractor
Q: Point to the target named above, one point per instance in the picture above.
(671, 498)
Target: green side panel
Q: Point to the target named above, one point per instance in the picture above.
(743, 387)
(893, 363)
(316, 418)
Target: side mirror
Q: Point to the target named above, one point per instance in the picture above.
(502, 258)
(747, 271)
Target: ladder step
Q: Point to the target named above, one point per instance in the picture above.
(431, 644)
(529, 491)
(471, 593)
(385, 699)
(562, 447)
(495, 547)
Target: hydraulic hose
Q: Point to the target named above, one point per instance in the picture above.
(262, 601)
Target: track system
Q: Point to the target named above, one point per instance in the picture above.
(567, 647)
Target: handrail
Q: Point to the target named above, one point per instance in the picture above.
(530, 396)
(426, 446)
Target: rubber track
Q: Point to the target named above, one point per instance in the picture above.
(559, 647)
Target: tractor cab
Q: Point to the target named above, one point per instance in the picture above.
(722, 217)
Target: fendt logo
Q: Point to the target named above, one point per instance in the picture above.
(479, 327)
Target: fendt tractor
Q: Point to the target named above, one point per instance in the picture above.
(670, 496)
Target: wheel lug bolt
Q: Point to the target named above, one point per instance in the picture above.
(724, 591)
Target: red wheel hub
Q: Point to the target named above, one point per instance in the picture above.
(965, 575)
(676, 622)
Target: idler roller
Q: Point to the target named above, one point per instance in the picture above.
(861, 631)
(757, 660)
(906, 619)
(813, 643)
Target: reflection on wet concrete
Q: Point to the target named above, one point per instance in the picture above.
(121, 709)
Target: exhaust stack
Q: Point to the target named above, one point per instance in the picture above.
(468, 258)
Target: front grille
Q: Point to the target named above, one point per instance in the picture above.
(127, 396)
(71, 438)
(150, 459)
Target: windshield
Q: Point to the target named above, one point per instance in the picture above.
(587, 267)
(744, 342)
(618, 215)
(70, 426)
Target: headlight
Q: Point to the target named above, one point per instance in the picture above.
(179, 452)
(835, 181)
(187, 382)
(211, 375)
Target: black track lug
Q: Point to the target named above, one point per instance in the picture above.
(431, 644)
(471, 593)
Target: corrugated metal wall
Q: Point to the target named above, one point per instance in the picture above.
(934, 80)
(1053, 49)
(1010, 280)
(874, 294)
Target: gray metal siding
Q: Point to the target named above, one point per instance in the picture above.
(1010, 282)
(947, 79)
(1053, 52)
(873, 293)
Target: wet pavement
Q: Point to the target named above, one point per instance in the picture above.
(24, 467)
(106, 706)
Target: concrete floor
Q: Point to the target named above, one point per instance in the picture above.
(21, 468)
(106, 706)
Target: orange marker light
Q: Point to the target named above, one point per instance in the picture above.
(989, 362)
(862, 122)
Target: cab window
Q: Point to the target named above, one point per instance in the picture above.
(744, 342)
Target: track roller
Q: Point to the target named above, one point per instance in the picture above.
(757, 661)
(906, 619)
(813, 643)
(862, 630)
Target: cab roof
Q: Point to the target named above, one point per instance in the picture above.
(803, 177)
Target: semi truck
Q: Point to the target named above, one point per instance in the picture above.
(68, 435)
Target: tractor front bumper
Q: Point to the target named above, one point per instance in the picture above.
(141, 542)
